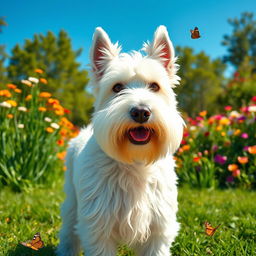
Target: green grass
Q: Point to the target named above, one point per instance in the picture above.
(235, 210)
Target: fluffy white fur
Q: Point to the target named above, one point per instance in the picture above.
(118, 192)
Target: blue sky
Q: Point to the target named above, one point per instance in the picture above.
(129, 22)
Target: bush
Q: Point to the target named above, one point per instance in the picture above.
(34, 131)
(220, 150)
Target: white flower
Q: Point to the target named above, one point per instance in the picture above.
(55, 126)
(26, 82)
(234, 114)
(47, 119)
(24, 109)
(33, 80)
(21, 126)
(5, 104)
(252, 108)
(192, 128)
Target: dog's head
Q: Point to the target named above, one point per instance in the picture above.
(135, 118)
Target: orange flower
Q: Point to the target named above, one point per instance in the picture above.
(11, 86)
(203, 113)
(49, 129)
(196, 159)
(42, 109)
(5, 93)
(223, 134)
(252, 149)
(60, 142)
(65, 122)
(186, 147)
(45, 95)
(232, 167)
(29, 97)
(237, 132)
(236, 173)
(63, 132)
(39, 71)
(12, 102)
(18, 90)
(52, 101)
(219, 128)
(59, 110)
(43, 80)
(242, 159)
(10, 116)
(61, 155)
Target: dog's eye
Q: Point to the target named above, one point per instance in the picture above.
(117, 88)
(154, 87)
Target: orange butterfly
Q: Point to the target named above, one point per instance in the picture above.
(195, 33)
(209, 230)
(36, 243)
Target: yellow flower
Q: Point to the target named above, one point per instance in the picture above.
(29, 97)
(42, 109)
(12, 102)
(5, 93)
(49, 129)
(45, 95)
(223, 134)
(61, 155)
(219, 128)
(224, 121)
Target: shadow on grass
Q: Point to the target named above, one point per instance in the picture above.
(21, 250)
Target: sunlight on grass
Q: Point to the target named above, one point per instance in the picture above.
(22, 215)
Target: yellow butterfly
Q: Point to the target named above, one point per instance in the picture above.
(36, 243)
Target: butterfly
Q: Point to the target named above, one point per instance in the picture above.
(195, 33)
(209, 230)
(36, 243)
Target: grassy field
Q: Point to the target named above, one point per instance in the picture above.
(22, 215)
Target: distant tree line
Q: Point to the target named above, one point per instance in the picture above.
(203, 83)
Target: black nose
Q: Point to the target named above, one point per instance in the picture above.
(140, 114)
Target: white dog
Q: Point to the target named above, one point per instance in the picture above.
(120, 183)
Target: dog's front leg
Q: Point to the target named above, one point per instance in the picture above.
(94, 239)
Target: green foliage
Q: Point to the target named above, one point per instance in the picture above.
(201, 81)
(30, 127)
(241, 43)
(24, 214)
(67, 81)
(214, 148)
(3, 56)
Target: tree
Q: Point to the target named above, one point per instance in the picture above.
(201, 81)
(242, 41)
(66, 80)
(3, 57)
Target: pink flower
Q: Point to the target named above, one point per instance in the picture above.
(220, 159)
(244, 135)
(230, 179)
(228, 108)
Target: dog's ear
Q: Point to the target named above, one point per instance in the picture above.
(161, 48)
(102, 52)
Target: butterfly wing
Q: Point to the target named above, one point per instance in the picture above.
(35, 244)
(209, 230)
(195, 33)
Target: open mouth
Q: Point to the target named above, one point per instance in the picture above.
(139, 135)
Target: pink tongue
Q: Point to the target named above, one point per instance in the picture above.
(139, 134)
